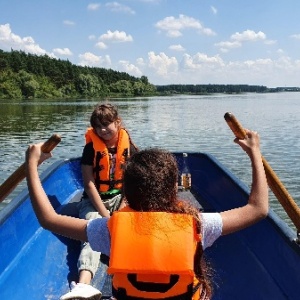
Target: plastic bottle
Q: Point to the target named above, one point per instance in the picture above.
(186, 178)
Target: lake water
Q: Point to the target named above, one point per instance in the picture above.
(178, 123)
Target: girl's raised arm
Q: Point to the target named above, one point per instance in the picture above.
(47, 217)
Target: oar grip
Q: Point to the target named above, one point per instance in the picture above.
(51, 143)
(235, 126)
(15, 178)
(281, 193)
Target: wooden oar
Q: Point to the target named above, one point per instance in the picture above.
(15, 178)
(283, 196)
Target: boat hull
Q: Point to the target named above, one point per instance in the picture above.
(260, 262)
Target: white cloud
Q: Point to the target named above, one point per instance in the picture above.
(140, 61)
(129, 68)
(9, 40)
(162, 64)
(177, 48)
(116, 36)
(202, 68)
(207, 31)
(248, 35)
(150, 1)
(270, 42)
(92, 60)
(258, 63)
(101, 45)
(237, 39)
(68, 23)
(214, 10)
(295, 36)
(117, 7)
(93, 6)
(225, 46)
(174, 26)
(64, 51)
(280, 51)
(200, 60)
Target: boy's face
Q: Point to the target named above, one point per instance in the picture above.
(107, 132)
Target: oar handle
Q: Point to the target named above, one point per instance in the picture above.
(15, 178)
(281, 193)
(51, 143)
(235, 126)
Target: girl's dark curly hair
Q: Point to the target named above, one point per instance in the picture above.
(150, 178)
(150, 184)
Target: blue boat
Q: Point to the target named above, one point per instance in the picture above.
(260, 262)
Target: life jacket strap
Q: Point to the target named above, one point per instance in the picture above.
(151, 286)
(196, 287)
(121, 293)
(110, 181)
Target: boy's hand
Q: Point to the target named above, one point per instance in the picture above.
(250, 142)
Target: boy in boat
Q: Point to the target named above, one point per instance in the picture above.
(169, 233)
(108, 146)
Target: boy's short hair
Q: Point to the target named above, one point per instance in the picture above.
(104, 114)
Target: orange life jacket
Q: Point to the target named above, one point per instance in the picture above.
(103, 181)
(152, 255)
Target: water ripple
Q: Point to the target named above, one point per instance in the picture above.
(181, 123)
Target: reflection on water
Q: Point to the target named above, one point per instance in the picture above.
(180, 123)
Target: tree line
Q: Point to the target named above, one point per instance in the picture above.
(25, 75)
(202, 89)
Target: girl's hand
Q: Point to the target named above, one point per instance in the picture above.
(34, 154)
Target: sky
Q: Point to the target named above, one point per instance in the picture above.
(253, 42)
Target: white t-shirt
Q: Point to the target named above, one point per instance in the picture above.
(99, 237)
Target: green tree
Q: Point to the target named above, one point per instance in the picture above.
(47, 89)
(9, 87)
(89, 85)
(122, 87)
(43, 76)
(28, 84)
(144, 80)
(138, 88)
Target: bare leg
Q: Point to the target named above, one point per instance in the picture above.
(85, 276)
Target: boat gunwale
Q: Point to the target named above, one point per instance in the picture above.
(17, 201)
(279, 224)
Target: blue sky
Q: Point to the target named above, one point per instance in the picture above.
(169, 41)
